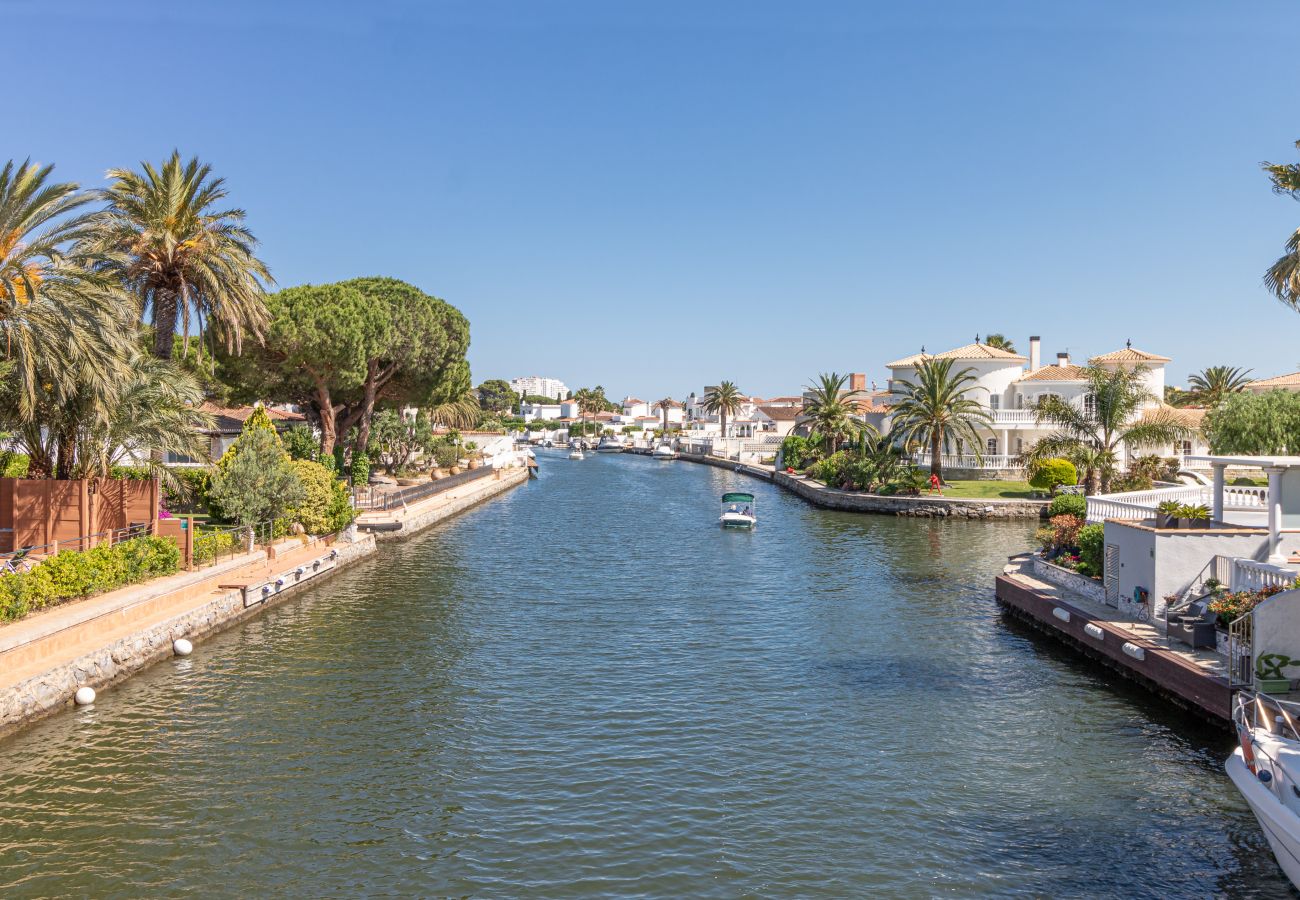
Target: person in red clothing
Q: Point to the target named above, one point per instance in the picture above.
(936, 487)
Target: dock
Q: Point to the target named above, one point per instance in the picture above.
(1196, 680)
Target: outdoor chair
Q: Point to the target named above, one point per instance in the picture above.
(1193, 624)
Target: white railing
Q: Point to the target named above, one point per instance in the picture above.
(1249, 575)
(1015, 417)
(1142, 504)
(970, 461)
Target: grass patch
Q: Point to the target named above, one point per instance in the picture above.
(989, 490)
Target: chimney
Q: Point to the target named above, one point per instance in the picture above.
(1035, 355)
(857, 381)
(1063, 359)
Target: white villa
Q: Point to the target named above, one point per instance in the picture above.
(1010, 385)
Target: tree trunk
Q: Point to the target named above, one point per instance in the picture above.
(936, 449)
(165, 312)
(329, 429)
(367, 411)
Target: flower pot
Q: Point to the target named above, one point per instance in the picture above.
(463, 462)
(1273, 685)
(455, 470)
(474, 463)
(1165, 520)
(437, 474)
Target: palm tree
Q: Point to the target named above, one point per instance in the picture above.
(1210, 386)
(589, 402)
(1283, 277)
(663, 406)
(723, 400)
(830, 409)
(460, 414)
(181, 255)
(1092, 433)
(1000, 342)
(936, 409)
(64, 323)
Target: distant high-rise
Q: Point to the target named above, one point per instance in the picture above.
(536, 384)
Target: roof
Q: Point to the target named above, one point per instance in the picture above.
(781, 413)
(1188, 417)
(1128, 354)
(633, 400)
(230, 419)
(1291, 380)
(871, 402)
(970, 351)
(1056, 373)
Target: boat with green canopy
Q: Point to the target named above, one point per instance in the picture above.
(738, 510)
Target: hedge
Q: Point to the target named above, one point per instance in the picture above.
(75, 573)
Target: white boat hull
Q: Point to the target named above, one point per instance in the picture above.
(577, 454)
(668, 455)
(1281, 826)
(737, 520)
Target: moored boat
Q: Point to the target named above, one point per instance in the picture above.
(664, 451)
(609, 444)
(1265, 768)
(737, 510)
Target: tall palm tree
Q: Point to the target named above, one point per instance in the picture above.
(1116, 411)
(64, 323)
(1000, 342)
(1283, 277)
(181, 254)
(590, 402)
(461, 413)
(1211, 385)
(937, 409)
(723, 400)
(663, 406)
(830, 409)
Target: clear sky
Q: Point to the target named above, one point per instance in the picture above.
(659, 195)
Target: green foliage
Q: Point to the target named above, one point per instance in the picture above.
(208, 545)
(1197, 512)
(254, 481)
(187, 489)
(496, 396)
(1169, 507)
(1065, 531)
(1045, 537)
(1051, 473)
(324, 508)
(1067, 505)
(1091, 539)
(397, 440)
(301, 443)
(74, 574)
(796, 453)
(131, 473)
(13, 465)
(1255, 424)
(360, 468)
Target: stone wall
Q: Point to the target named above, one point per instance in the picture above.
(925, 507)
(422, 514)
(52, 690)
(1072, 581)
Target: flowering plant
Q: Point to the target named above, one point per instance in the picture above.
(1232, 605)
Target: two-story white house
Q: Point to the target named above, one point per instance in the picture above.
(1010, 385)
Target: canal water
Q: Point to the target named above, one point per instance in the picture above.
(586, 688)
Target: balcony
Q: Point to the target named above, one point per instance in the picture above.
(990, 461)
(1014, 417)
(1247, 504)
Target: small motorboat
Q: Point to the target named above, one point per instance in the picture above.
(1265, 767)
(664, 451)
(610, 444)
(738, 510)
(576, 453)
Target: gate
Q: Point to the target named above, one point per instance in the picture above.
(1110, 575)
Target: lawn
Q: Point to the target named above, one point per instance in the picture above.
(989, 490)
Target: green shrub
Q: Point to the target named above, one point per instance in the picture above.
(360, 468)
(208, 545)
(796, 452)
(1092, 540)
(1049, 474)
(74, 573)
(301, 443)
(190, 492)
(1045, 537)
(13, 465)
(1068, 505)
(131, 473)
(325, 507)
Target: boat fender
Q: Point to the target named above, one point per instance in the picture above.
(1247, 747)
(1265, 776)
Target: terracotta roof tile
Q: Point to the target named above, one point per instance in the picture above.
(1190, 417)
(1290, 380)
(1129, 354)
(1055, 373)
(970, 351)
(781, 413)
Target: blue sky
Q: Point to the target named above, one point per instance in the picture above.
(659, 195)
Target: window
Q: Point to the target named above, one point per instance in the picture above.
(1184, 448)
(1020, 445)
(995, 402)
(992, 447)
(1089, 404)
(1020, 401)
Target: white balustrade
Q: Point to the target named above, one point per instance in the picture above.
(1015, 417)
(970, 461)
(1142, 504)
(1249, 575)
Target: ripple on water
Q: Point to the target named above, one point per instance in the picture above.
(585, 688)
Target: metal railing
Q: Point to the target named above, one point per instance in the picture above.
(1241, 651)
(376, 498)
(23, 559)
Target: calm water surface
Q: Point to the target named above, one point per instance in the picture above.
(585, 688)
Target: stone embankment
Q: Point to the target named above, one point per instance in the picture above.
(922, 507)
(102, 640)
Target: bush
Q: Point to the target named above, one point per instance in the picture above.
(325, 507)
(1050, 474)
(208, 545)
(190, 493)
(1092, 539)
(1045, 537)
(1068, 505)
(13, 465)
(1065, 531)
(73, 574)
(360, 468)
(795, 452)
(300, 442)
(131, 473)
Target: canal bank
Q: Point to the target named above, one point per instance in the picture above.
(100, 641)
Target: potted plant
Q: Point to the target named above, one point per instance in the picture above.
(1269, 678)
(471, 451)
(1194, 516)
(1167, 514)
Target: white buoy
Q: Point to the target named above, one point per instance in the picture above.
(85, 696)
(182, 647)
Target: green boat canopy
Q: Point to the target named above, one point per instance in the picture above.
(737, 498)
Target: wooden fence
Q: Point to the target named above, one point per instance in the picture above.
(71, 514)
